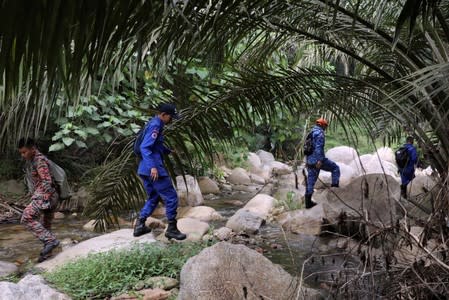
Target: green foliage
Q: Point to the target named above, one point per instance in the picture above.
(290, 202)
(104, 274)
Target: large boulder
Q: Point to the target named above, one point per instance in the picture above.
(239, 176)
(342, 154)
(346, 175)
(386, 154)
(189, 192)
(208, 186)
(31, 287)
(254, 163)
(120, 239)
(420, 185)
(226, 271)
(306, 221)
(373, 164)
(261, 204)
(373, 196)
(279, 168)
(265, 157)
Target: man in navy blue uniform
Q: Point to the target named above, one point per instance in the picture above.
(155, 177)
(408, 172)
(316, 162)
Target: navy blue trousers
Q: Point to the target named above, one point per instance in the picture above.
(313, 173)
(162, 187)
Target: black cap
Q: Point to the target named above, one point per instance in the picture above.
(170, 109)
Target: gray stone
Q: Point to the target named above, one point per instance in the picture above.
(226, 271)
(239, 176)
(31, 287)
(208, 186)
(189, 192)
(245, 221)
(7, 268)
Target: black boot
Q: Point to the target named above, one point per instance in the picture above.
(140, 228)
(309, 202)
(335, 185)
(173, 232)
(404, 191)
(46, 251)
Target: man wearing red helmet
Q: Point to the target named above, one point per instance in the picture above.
(316, 162)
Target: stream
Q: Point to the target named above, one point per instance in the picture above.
(298, 254)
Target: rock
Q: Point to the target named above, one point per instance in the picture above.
(421, 184)
(202, 213)
(223, 233)
(307, 221)
(254, 163)
(189, 192)
(31, 287)
(342, 154)
(7, 268)
(265, 157)
(161, 282)
(346, 175)
(89, 226)
(279, 168)
(374, 196)
(245, 221)
(59, 216)
(261, 205)
(120, 239)
(154, 223)
(386, 154)
(257, 179)
(194, 229)
(208, 186)
(239, 176)
(226, 271)
(147, 294)
(247, 188)
(234, 202)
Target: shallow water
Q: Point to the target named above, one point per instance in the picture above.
(18, 245)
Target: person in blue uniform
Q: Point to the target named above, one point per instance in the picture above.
(316, 162)
(154, 175)
(408, 172)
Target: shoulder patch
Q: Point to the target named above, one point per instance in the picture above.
(154, 134)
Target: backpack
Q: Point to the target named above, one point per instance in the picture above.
(308, 144)
(59, 179)
(401, 156)
(138, 141)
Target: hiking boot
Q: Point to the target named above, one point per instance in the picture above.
(309, 202)
(173, 232)
(404, 191)
(335, 185)
(140, 228)
(46, 251)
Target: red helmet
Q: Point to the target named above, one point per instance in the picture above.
(321, 122)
